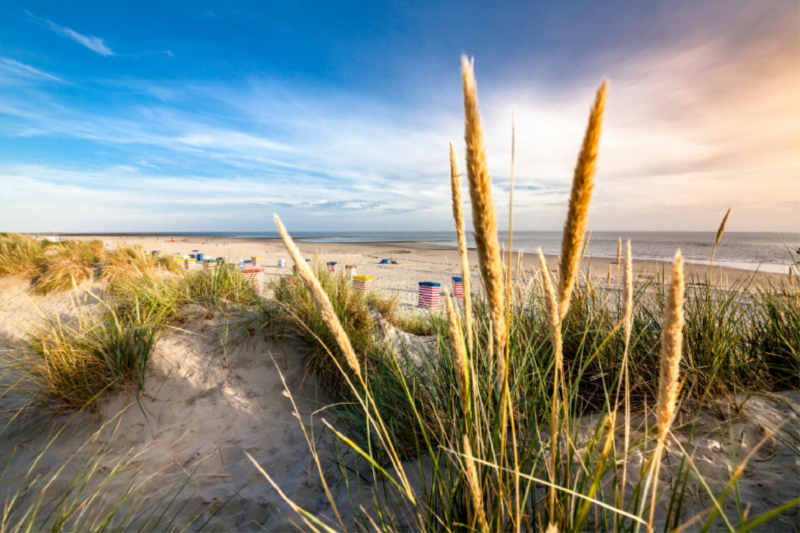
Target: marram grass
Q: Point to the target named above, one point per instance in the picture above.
(481, 474)
(484, 219)
(458, 217)
(480, 479)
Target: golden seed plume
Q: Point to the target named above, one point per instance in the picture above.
(320, 298)
(458, 216)
(619, 252)
(474, 485)
(586, 245)
(671, 346)
(627, 293)
(484, 218)
(459, 354)
(580, 197)
(721, 229)
(627, 313)
(608, 277)
(510, 225)
(551, 305)
(571, 248)
(555, 338)
(669, 371)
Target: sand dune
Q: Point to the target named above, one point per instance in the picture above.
(208, 402)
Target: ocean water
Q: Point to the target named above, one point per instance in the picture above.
(771, 252)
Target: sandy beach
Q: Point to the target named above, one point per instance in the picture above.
(416, 261)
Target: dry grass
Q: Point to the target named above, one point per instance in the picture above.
(484, 218)
(59, 272)
(722, 226)
(627, 314)
(571, 248)
(19, 254)
(128, 262)
(484, 474)
(473, 480)
(586, 245)
(320, 298)
(66, 264)
(551, 305)
(459, 351)
(670, 366)
(579, 200)
(68, 365)
(58, 266)
(671, 350)
(458, 216)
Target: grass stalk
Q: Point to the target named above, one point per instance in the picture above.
(669, 373)
(720, 232)
(571, 245)
(484, 218)
(320, 298)
(458, 216)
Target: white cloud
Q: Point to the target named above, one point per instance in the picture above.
(10, 68)
(95, 44)
(41, 198)
(690, 130)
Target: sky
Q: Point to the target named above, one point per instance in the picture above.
(212, 116)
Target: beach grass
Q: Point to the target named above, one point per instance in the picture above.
(68, 364)
(517, 429)
(106, 344)
(19, 254)
(527, 437)
(80, 493)
(297, 316)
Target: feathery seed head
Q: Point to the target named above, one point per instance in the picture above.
(627, 295)
(721, 229)
(459, 353)
(580, 198)
(484, 218)
(474, 484)
(551, 305)
(586, 245)
(458, 216)
(671, 347)
(320, 298)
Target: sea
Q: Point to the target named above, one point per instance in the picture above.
(767, 252)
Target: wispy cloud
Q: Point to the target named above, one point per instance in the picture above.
(12, 68)
(95, 44)
(692, 128)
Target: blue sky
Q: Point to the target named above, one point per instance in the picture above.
(210, 116)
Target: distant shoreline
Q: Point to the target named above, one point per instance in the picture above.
(430, 245)
(400, 248)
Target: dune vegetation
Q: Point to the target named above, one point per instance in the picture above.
(530, 427)
(542, 401)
